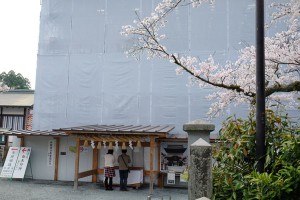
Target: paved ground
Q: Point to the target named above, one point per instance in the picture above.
(43, 190)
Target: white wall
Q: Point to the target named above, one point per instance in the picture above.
(66, 166)
(38, 158)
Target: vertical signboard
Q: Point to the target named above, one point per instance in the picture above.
(16, 162)
(22, 162)
(10, 162)
(50, 154)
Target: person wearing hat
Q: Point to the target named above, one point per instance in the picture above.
(109, 170)
(123, 161)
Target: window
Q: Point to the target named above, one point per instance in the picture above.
(12, 122)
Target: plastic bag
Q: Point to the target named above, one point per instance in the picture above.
(184, 176)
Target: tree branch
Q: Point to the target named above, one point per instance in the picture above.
(233, 87)
(295, 86)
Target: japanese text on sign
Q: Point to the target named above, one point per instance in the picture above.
(16, 162)
(50, 158)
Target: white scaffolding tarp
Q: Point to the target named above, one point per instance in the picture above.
(84, 77)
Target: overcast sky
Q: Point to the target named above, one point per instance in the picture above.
(19, 20)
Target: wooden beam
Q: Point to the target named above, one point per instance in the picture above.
(148, 173)
(152, 145)
(77, 163)
(22, 141)
(87, 173)
(145, 144)
(57, 139)
(112, 138)
(172, 140)
(100, 171)
(95, 163)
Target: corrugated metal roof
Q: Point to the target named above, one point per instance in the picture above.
(17, 99)
(31, 133)
(119, 129)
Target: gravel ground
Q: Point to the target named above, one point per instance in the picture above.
(29, 189)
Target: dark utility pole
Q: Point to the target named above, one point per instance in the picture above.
(260, 86)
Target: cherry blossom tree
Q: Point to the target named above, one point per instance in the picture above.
(234, 81)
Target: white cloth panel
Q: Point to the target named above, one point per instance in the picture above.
(55, 27)
(84, 77)
(50, 104)
(178, 22)
(88, 26)
(84, 89)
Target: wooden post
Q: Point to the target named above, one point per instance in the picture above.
(99, 161)
(152, 145)
(22, 141)
(57, 139)
(77, 163)
(6, 148)
(158, 164)
(95, 163)
(158, 156)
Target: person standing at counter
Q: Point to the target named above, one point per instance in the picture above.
(123, 161)
(109, 170)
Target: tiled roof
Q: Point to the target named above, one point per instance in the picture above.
(31, 133)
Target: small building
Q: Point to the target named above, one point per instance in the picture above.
(16, 109)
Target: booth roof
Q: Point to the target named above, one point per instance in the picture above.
(118, 129)
(94, 130)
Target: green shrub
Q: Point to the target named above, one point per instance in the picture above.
(234, 172)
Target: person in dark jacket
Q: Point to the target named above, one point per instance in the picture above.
(123, 161)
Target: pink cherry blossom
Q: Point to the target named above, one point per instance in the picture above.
(235, 82)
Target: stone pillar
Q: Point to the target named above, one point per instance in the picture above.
(200, 170)
(198, 129)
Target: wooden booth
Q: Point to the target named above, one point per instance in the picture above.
(99, 137)
(108, 135)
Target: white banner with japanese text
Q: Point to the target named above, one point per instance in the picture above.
(16, 162)
(22, 161)
(51, 151)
